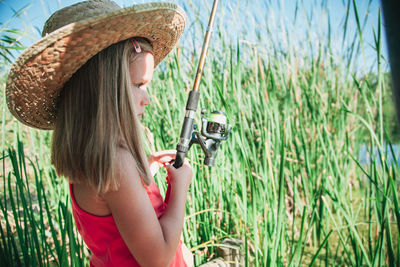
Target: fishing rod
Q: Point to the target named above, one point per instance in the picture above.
(215, 128)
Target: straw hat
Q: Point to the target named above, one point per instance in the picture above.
(72, 36)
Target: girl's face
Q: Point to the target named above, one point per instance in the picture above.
(141, 71)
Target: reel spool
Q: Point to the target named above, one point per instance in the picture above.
(214, 129)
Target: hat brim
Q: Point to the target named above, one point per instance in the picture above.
(40, 72)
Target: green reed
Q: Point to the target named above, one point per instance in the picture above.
(288, 182)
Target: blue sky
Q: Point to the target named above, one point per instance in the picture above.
(241, 20)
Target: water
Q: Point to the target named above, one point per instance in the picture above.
(393, 157)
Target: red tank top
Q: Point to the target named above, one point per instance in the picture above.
(102, 237)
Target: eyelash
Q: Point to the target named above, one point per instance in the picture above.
(139, 85)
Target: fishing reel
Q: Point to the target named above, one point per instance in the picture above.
(214, 129)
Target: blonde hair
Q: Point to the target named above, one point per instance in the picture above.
(96, 116)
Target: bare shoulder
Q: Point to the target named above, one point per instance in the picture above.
(129, 182)
(90, 201)
(126, 171)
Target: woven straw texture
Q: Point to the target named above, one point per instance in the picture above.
(39, 73)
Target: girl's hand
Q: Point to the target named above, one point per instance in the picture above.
(160, 159)
(181, 177)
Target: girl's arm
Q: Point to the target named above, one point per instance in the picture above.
(152, 241)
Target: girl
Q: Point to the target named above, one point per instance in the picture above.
(86, 79)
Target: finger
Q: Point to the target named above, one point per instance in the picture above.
(168, 163)
(169, 167)
(165, 159)
(162, 153)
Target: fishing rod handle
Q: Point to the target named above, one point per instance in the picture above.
(187, 128)
(180, 157)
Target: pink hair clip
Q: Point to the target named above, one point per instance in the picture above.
(136, 45)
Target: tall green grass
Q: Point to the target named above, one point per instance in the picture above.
(288, 182)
